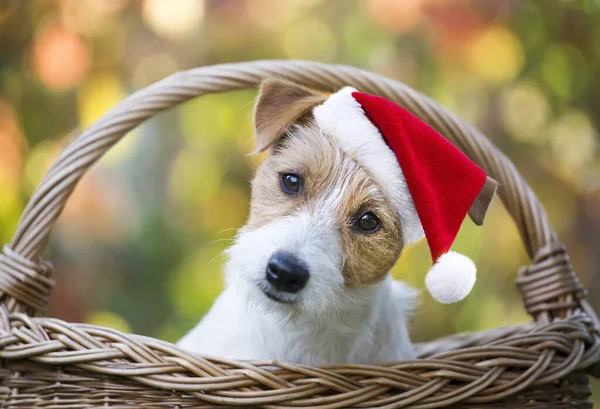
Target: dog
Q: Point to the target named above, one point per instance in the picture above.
(307, 278)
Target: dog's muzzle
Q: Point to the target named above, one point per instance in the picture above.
(287, 274)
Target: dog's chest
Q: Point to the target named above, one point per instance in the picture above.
(328, 343)
(364, 334)
(372, 333)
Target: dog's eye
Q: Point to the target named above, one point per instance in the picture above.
(368, 222)
(291, 183)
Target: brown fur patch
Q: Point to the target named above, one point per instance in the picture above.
(326, 169)
(279, 105)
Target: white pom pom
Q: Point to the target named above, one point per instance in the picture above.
(452, 278)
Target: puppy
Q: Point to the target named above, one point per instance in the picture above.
(307, 279)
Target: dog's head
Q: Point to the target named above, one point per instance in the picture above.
(321, 227)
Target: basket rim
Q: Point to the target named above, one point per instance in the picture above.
(480, 368)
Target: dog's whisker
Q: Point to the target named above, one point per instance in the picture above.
(221, 240)
(221, 255)
(225, 230)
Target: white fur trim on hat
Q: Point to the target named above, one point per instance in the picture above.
(451, 278)
(343, 118)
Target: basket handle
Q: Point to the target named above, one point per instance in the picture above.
(549, 286)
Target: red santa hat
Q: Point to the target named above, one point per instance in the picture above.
(432, 183)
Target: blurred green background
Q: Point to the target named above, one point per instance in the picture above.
(138, 246)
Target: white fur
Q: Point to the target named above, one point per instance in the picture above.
(343, 119)
(326, 323)
(311, 238)
(368, 327)
(451, 278)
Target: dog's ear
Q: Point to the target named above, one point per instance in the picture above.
(279, 105)
(482, 202)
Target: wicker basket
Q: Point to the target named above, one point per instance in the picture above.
(53, 364)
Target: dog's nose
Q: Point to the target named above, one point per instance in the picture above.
(286, 272)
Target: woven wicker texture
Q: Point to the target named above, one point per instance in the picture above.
(50, 363)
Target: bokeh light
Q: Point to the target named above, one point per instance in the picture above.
(174, 19)
(90, 17)
(61, 57)
(496, 55)
(396, 16)
(574, 144)
(525, 112)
